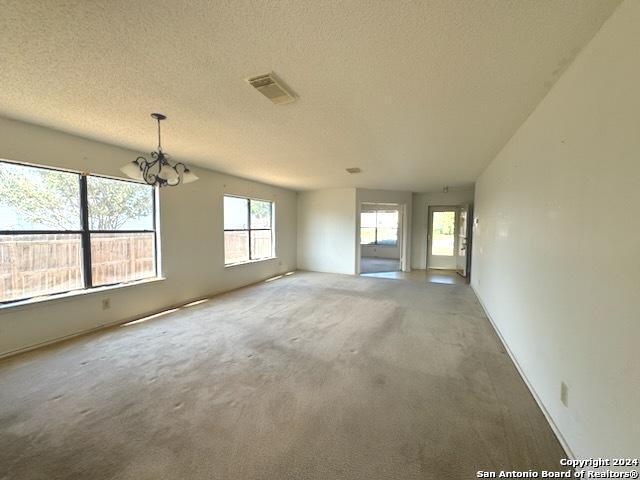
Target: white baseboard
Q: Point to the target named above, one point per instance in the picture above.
(64, 338)
(563, 443)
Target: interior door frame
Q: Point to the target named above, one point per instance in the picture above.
(403, 236)
(469, 240)
(443, 208)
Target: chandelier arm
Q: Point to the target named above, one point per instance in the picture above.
(180, 164)
(153, 178)
(169, 184)
(145, 167)
(178, 175)
(156, 158)
(148, 177)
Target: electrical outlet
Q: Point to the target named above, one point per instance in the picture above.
(106, 303)
(564, 394)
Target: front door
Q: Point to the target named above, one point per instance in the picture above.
(442, 239)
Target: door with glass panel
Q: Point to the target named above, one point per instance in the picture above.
(442, 239)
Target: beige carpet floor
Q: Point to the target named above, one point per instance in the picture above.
(373, 264)
(312, 376)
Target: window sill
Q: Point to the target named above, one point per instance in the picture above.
(74, 294)
(249, 262)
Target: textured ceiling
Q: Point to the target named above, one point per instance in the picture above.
(418, 94)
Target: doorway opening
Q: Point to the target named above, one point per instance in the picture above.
(449, 239)
(380, 238)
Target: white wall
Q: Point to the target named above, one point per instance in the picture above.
(381, 251)
(329, 226)
(326, 230)
(192, 240)
(555, 254)
(421, 204)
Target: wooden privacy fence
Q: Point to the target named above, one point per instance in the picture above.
(119, 257)
(236, 245)
(32, 265)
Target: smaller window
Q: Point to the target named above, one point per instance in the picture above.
(248, 230)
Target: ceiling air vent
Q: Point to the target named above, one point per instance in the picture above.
(272, 88)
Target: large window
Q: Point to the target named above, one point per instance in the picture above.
(379, 227)
(62, 231)
(248, 230)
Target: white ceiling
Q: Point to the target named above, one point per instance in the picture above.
(418, 94)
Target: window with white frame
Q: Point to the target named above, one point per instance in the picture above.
(248, 230)
(379, 227)
(62, 231)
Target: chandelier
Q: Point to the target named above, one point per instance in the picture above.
(159, 171)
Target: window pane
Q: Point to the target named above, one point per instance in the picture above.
(32, 265)
(236, 213)
(368, 219)
(260, 214)
(442, 238)
(261, 244)
(236, 247)
(122, 257)
(387, 236)
(367, 236)
(119, 205)
(387, 219)
(38, 199)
